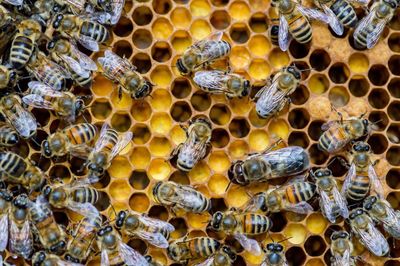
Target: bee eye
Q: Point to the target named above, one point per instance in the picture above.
(279, 248)
(270, 247)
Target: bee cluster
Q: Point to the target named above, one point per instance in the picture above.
(300, 171)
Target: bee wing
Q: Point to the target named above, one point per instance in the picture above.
(23, 121)
(117, 7)
(14, 2)
(81, 151)
(301, 207)
(37, 101)
(216, 36)
(86, 209)
(270, 98)
(374, 240)
(350, 175)
(248, 244)
(156, 223)
(255, 203)
(342, 260)
(61, 262)
(360, 2)
(88, 43)
(85, 61)
(123, 141)
(392, 219)
(156, 239)
(364, 23)
(313, 13)
(215, 80)
(112, 64)
(20, 239)
(75, 66)
(77, 5)
(131, 256)
(373, 36)
(329, 124)
(341, 202)
(376, 183)
(283, 35)
(207, 262)
(201, 43)
(102, 140)
(328, 206)
(3, 232)
(37, 87)
(333, 20)
(40, 71)
(104, 258)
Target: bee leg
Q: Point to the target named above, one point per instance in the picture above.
(119, 93)
(175, 151)
(174, 209)
(339, 114)
(274, 145)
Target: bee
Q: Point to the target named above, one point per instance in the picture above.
(20, 241)
(121, 71)
(293, 22)
(114, 251)
(66, 54)
(42, 258)
(274, 255)
(109, 144)
(342, 9)
(8, 136)
(240, 225)
(17, 116)
(332, 203)
(17, 170)
(361, 178)
(363, 227)
(182, 250)
(202, 53)
(24, 43)
(180, 197)
(218, 82)
(291, 197)
(370, 28)
(8, 77)
(225, 256)
(155, 231)
(195, 148)
(338, 133)
(65, 104)
(48, 72)
(86, 31)
(50, 234)
(5, 207)
(73, 140)
(76, 196)
(273, 97)
(380, 210)
(341, 249)
(79, 246)
(44, 10)
(273, 34)
(261, 167)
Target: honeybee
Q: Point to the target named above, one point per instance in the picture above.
(48, 72)
(79, 65)
(225, 256)
(114, 251)
(194, 149)
(65, 104)
(121, 71)
(5, 207)
(218, 82)
(240, 225)
(273, 97)
(17, 170)
(342, 9)
(341, 249)
(332, 203)
(73, 140)
(274, 255)
(8, 77)
(363, 227)
(41, 258)
(20, 242)
(86, 31)
(178, 196)
(202, 53)
(261, 167)
(8, 136)
(24, 43)
(293, 19)
(182, 250)
(273, 34)
(338, 133)
(51, 235)
(370, 28)
(76, 196)
(17, 116)
(109, 144)
(155, 231)
(291, 197)
(361, 178)
(79, 246)
(380, 210)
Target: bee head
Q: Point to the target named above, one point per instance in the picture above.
(120, 219)
(21, 201)
(144, 90)
(369, 202)
(46, 149)
(294, 71)
(340, 234)
(322, 172)
(228, 251)
(236, 175)
(217, 220)
(58, 248)
(355, 213)
(57, 20)
(361, 146)
(104, 230)
(181, 67)
(38, 258)
(79, 106)
(246, 88)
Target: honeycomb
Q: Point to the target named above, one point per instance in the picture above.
(152, 35)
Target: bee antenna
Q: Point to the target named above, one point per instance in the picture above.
(227, 187)
(270, 236)
(287, 238)
(334, 159)
(34, 141)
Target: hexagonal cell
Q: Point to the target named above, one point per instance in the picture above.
(317, 156)
(181, 40)
(279, 222)
(141, 134)
(339, 96)
(139, 180)
(101, 109)
(142, 62)
(392, 156)
(320, 60)
(119, 190)
(298, 118)
(218, 184)
(394, 42)
(161, 123)
(278, 58)
(141, 110)
(121, 122)
(358, 86)
(142, 15)
(219, 138)
(316, 223)
(42, 116)
(298, 138)
(392, 178)
(161, 52)
(394, 87)
(162, 6)
(181, 111)
(180, 227)
(197, 221)
(122, 101)
(378, 75)
(318, 83)
(393, 133)
(124, 27)
(178, 135)
(258, 140)
(257, 120)
(378, 143)
(159, 169)
(181, 18)
(161, 28)
(180, 178)
(200, 101)
(238, 148)
(315, 246)
(160, 146)
(161, 76)
(200, 8)
(379, 98)
(181, 88)
(239, 57)
(339, 73)
(278, 128)
(120, 168)
(219, 3)
(358, 63)
(60, 172)
(219, 161)
(379, 119)
(239, 10)
(239, 33)
(300, 95)
(102, 86)
(258, 22)
(142, 38)
(296, 234)
(393, 110)
(299, 50)
(394, 64)
(139, 202)
(236, 196)
(200, 29)
(316, 261)
(336, 166)
(158, 212)
(239, 127)
(161, 100)
(220, 19)
(220, 114)
(259, 69)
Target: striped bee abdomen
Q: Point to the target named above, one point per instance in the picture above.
(256, 223)
(203, 247)
(359, 187)
(8, 136)
(345, 13)
(12, 164)
(301, 191)
(300, 29)
(85, 194)
(95, 31)
(21, 51)
(81, 133)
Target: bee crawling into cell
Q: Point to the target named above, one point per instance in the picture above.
(274, 254)
(341, 249)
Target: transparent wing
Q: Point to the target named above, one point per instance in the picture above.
(214, 80)
(186, 197)
(117, 7)
(333, 20)
(3, 232)
(327, 125)
(36, 87)
(392, 220)
(364, 23)
(37, 101)
(20, 239)
(312, 13)
(207, 262)
(113, 65)
(102, 140)
(347, 180)
(14, 2)
(248, 244)
(283, 35)
(255, 204)
(85, 61)
(152, 222)
(270, 99)
(342, 260)
(86, 209)
(81, 151)
(88, 43)
(104, 258)
(301, 207)
(75, 66)
(23, 121)
(131, 256)
(361, 2)
(376, 183)
(77, 5)
(374, 240)
(216, 36)
(156, 239)
(328, 206)
(375, 34)
(123, 140)
(341, 202)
